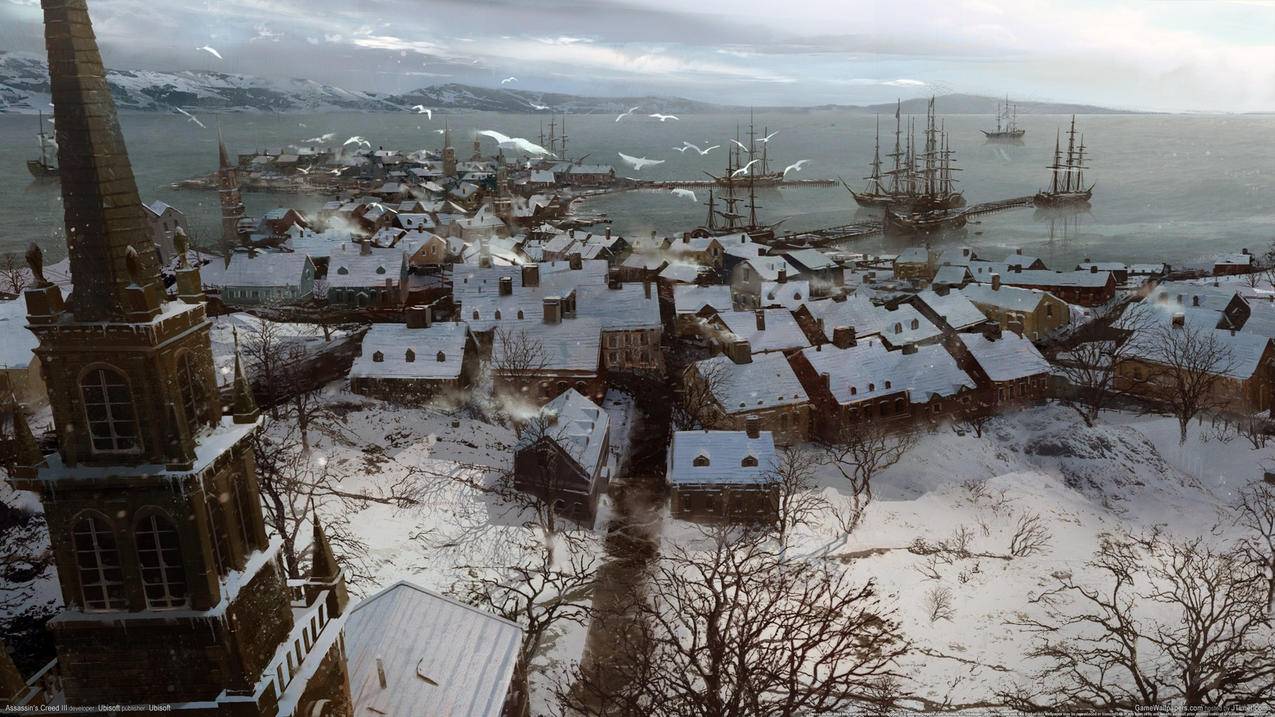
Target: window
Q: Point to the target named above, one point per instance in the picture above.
(108, 404)
(159, 554)
(887, 385)
(409, 356)
(700, 460)
(441, 357)
(749, 462)
(915, 324)
(520, 316)
(377, 357)
(1049, 310)
(98, 563)
(497, 315)
(192, 389)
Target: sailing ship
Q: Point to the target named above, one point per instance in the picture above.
(1006, 122)
(927, 181)
(756, 169)
(1067, 182)
(919, 180)
(41, 168)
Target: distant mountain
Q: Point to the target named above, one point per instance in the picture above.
(24, 88)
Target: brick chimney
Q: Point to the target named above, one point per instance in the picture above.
(646, 286)
(575, 262)
(996, 281)
(419, 316)
(506, 286)
(553, 310)
(783, 275)
(608, 232)
(1093, 269)
(760, 315)
(531, 275)
(1179, 320)
(752, 426)
(739, 351)
(843, 337)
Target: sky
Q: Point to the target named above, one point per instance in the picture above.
(1171, 55)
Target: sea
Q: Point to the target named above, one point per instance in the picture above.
(1169, 188)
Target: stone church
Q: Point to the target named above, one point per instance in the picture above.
(175, 597)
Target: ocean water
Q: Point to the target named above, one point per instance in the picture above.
(1174, 188)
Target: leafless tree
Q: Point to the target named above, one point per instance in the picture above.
(696, 404)
(1089, 367)
(1255, 514)
(1187, 368)
(517, 358)
(1203, 644)
(796, 500)
(859, 454)
(273, 359)
(1030, 536)
(938, 604)
(976, 421)
(1253, 428)
(738, 629)
(14, 274)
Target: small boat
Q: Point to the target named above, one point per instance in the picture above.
(41, 168)
(1067, 185)
(924, 222)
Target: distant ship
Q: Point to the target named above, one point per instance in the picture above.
(919, 180)
(758, 172)
(1006, 122)
(1067, 184)
(40, 168)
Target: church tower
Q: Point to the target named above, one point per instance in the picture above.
(232, 209)
(174, 593)
(449, 153)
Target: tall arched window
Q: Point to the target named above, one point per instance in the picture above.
(98, 562)
(192, 389)
(159, 554)
(108, 404)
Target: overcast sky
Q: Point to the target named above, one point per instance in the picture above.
(1147, 54)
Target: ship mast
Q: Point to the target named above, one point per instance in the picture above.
(1080, 165)
(898, 151)
(711, 222)
(1057, 165)
(875, 179)
(1071, 154)
(563, 137)
(44, 159)
(553, 138)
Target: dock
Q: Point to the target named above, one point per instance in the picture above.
(849, 232)
(709, 184)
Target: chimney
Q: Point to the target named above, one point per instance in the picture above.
(531, 275)
(783, 275)
(1179, 319)
(575, 262)
(1019, 251)
(1093, 269)
(909, 349)
(942, 289)
(646, 286)
(1088, 260)
(608, 231)
(843, 337)
(613, 281)
(506, 286)
(572, 234)
(752, 426)
(826, 379)
(423, 319)
(739, 351)
(760, 315)
(553, 310)
(1244, 251)
(996, 281)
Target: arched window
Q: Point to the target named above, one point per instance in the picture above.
(475, 314)
(191, 388)
(496, 315)
(898, 328)
(342, 270)
(108, 405)
(159, 554)
(410, 356)
(887, 385)
(98, 562)
(520, 316)
(916, 324)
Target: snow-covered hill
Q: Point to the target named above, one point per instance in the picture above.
(468, 97)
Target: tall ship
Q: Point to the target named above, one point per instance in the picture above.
(756, 166)
(933, 201)
(1006, 122)
(1067, 174)
(920, 180)
(42, 168)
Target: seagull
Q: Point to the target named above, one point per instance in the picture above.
(768, 137)
(637, 163)
(518, 143)
(685, 193)
(795, 166)
(423, 110)
(661, 117)
(628, 113)
(441, 131)
(321, 138)
(539, 108)
(744, 168)
(210, 50)
(737, 144)
(303, 170)
(335, 171)
(191, 117)
(507, 80)
(358, 140)
(702, 152)
(682, 149)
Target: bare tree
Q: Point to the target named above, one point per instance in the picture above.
(517, 358)
(696, 404)
(273, 359)
(739, 630)
(1255, 515)
(1089, 367)
(1203, 643)
(796, 502)
(938, 604)
(976, 421)
(1187, 368)
(860, 453)
(1030, 536)
(14, 274)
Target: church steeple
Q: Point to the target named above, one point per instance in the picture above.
(232, 209)
(104, 216)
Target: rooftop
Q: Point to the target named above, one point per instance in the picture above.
(444, 340)
(766, 382)
(724, 457)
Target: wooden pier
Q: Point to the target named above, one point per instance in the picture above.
(710, 184)
(850, 232)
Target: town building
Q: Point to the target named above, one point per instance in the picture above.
(361, 276)
(1084, 288)
(631, 327)
(1232, 264)
(825, 275)
(416, 363)
(733, 386)
(1012, 366)
(747, 277)
(164, 221)
(1031, 313)
(19, 367)
(693, 304)
(254, 278)
(537, 361)
(563, 456)
(722, 475)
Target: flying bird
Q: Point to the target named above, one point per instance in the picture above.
(191, 117)
(737, 144)
(441, 131)
(682, 149)
(795, 166)
(357, 140)
(518, 143)
(702, 152)
(744, 168)
(628, 113)
(768, 137)
(210, 50)
(661, 117)
(539, 108)
(637, 163)
(423, 110)
(320, 139)
(685, 193)
(507, 80)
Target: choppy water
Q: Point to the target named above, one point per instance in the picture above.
(1169, 188)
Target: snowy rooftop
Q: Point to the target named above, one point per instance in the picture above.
(15, 350)
(690, 298)
(632, 306)
(348, 268)
(856, 312)
(767, 382)
(724, 457)
(1041, 277)
(266, 269)
(1240, 354)
(1007, 358)
(681, 272)
(780, 330)
(1233, 260)
(868, 370)
(951, 275)
(570, 345)
(956, 256)
(768, 267)
(445, 341)
(906, 325)
(811, 259)
(580, 428)
(955, 308)
(790, 294)
(1184, 293)
(1006, 297)
(913, 255)
(440, 656)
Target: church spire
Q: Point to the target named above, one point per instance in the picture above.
(244, 406)
(325, 571)
(223, 154)
(104, 216)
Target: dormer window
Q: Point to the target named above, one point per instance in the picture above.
(700, 460)
(872, 387)
(520, 316)
(887, 385)
(497, 314)
(748, 462)
(342, 271)
(380, 270)
(378, 357)
(410, 356)
(854, 390)
(916, 324)
(898, 328)
(475, 314)
(441, 357)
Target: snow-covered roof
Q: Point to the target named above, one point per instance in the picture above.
(1240, 259)
(579, 427)
(440, 656)
(913, 255)
(158, 208)
(682, 273)
(1043, 277)
(350, 269)
(767, 381)
(415, 221)
(569, 345)
(790, 294)
(725, 457)
(266, 269)
(768, 267)
(906, 325)
(868, 370)
(856, 312)
(690, 298)
(393, 341)
(956, 256)
(810, 259)
(1007, 358)
(1190, 294)
(780, 331)
(951, 275)
(15, 350)
(1012, 298)
(1239, 355)
(955, 308)
(632, 306)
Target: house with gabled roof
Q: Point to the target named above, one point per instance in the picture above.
(563, 456)
(1011, 366)
(416, 363)
(1032, 313)
(692, 304)
(537, 361)
(254, 277)
(722, 475)
(736, 385)
(765, 330)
